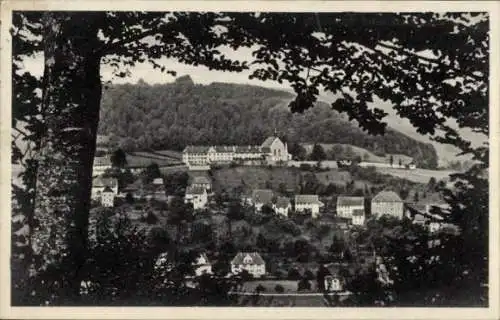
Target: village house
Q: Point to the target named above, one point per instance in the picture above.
(158, 182)
(387, 203)
(202, 265)
(252, 262)
(347, 205)
(201, 182)
(308, 203)
(261, 197)
(107, 197)
(282, 206)
(197, 196)
(272, 150)
(420, 214)
(101, 164)
(358, 217)
(100, 183)
(333, 283)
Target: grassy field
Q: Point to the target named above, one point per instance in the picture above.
(363, 153)
(417, 175)
(145, 158)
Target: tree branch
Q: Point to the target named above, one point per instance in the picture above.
(110, 47)
(434, 61)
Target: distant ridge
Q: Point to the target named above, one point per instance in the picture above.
(173, 115)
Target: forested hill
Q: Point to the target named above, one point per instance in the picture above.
(171, 116)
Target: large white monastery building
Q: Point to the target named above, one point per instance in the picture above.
(272, 151)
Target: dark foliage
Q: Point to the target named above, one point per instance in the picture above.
(141, 117)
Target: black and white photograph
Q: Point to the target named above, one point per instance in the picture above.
(249, 157)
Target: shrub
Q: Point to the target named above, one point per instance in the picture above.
(304, 284)
(309, 275)
(151, 218)
(279, 288)
(293, 274)
(260, 288)
(305, 167)
(290, 227)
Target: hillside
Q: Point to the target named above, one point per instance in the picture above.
(171, 116)
(250, 178)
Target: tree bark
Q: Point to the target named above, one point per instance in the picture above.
(70, 109)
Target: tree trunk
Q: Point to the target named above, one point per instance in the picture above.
(70, 108)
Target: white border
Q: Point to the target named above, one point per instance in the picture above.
(245, 313)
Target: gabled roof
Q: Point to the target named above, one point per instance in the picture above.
(307, 199)
(248, 149)
(158, 181)
(195, 190)
(387, 196)
(282, 202)
(196, 149)
(350, 201)
(416, 210)
(268, 142)
(223, 149)
(107, 189)
(200, 180)
(102, 139)
(102, 161)
(99, 182)
(240, 258)
(358, 212)
(262, 196)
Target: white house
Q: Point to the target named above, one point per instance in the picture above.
(387, 203)
(262, 197)
(252, 262)
(358, 217)
(282, 206)
(100, 165)
(347, 205)
(107, 197)
(201, 182)
(202, 265)
(100, 183)
(158, 181)
(272, 149)
(308, 203)
(196, 196)
(333, 283)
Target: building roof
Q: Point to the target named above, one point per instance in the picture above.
(350, 201)
(102, 139)
(99, 182)
(107, 189)
(200, 180)
(269, 141)
(282, 202)
(102, 161)
(195, 190)
(158, 181)
(240, 258)
(307, 199)
(196, 149)
(262, 196)
(387, 196)
(358, 212)
(248, 149)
